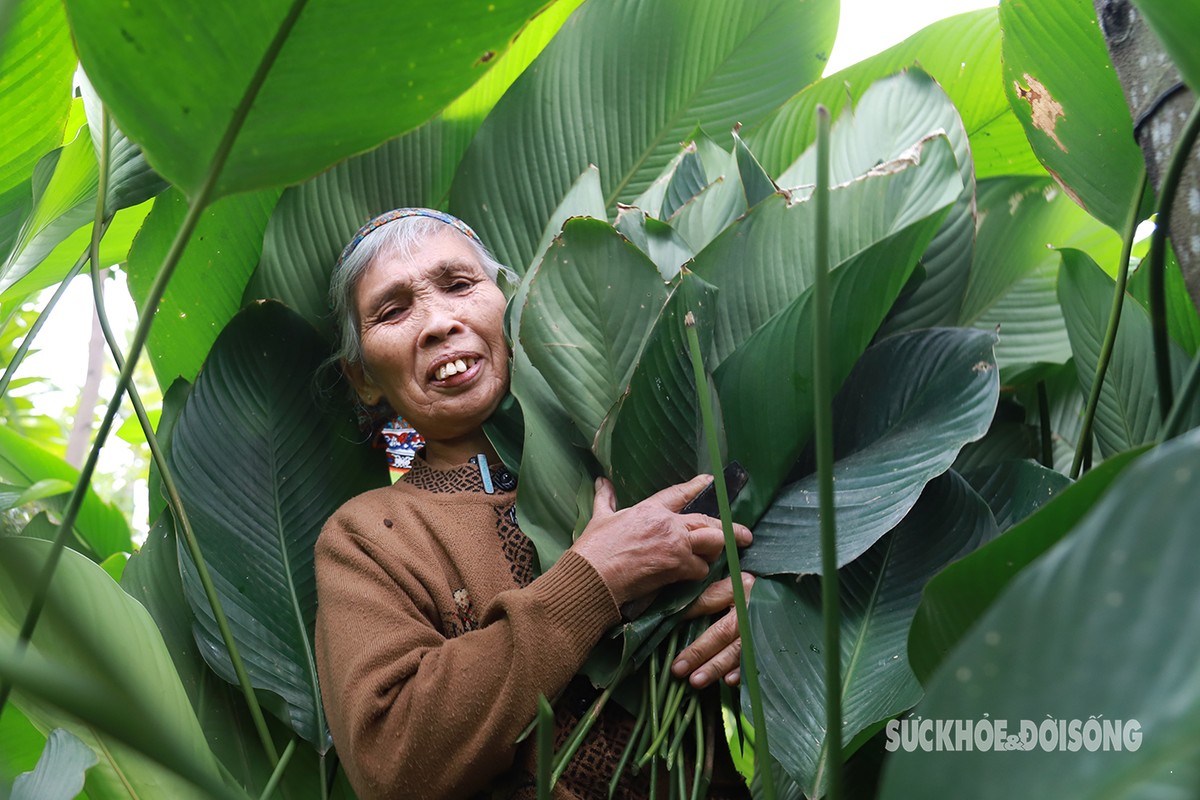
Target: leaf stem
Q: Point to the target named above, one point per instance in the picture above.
(277, 773)
(1187, 397)
(823, 441)
(170, 261)
(1044, 431)
(749, 661)
(1157, 257)
(27, 339)
(545, 748)
(1110, 335)
(168, 479)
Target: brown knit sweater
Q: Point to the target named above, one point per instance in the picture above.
(434, 641)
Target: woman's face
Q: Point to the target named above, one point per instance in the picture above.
(433, 345)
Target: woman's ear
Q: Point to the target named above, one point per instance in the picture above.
(366, 389)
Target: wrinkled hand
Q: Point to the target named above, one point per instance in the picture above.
(716, 653)
(642, 548)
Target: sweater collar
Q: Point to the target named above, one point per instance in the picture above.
(461, 478)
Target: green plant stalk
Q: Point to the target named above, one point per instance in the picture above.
(1044, 426)
(545, 748)
(27, 339)
(701, 757)
(749, 662)
(170, 261)
(672, 705)
(1110, 334)
(277, 773)
(563, 758)
(1187, 396)
(168, 478)
(639, 723)
(823, 439)
(682, 728)
(1158, 257)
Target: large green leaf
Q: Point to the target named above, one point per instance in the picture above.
(395, 69)
(114, 249)
(959, 595)
(1102, 627)
(102, 526)
(879, 594)
(654, 437)
(1012, 283)
(1128, 413)
(1177, 26)
(1073, 124)
(910, 404)
(894, 113)
(764, 261)
(59, 772)
(1015, 489)
(768, 437)
(261, 464)
(131, 181)
(593, 301)
(20, 745)
(681, 63)
(1183, 321)
(962, 53)
(36, 63)
(106, 643)
(314, 220)
(206, 289)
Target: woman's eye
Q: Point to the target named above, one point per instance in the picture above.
(395, 312)
(460, 286)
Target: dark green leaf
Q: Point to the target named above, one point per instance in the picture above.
(393, 72)
(261, 464)
(1100, 628)
(729, 62)
(1073, 124)
(879, 593)
(910, 404)
(1015, 489)
(1183, 322)
(960, 594)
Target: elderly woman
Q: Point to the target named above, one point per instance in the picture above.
(434, 638)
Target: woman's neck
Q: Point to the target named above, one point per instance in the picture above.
(453, 453)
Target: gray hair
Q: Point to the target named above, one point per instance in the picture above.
(401, 237)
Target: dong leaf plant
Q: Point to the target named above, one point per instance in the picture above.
(991, 325)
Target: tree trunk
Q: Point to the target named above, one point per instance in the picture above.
(1160, 104)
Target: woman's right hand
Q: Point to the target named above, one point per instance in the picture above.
(644, 547)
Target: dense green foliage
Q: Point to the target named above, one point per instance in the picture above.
(981, 186)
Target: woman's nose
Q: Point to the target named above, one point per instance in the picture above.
(440, 323)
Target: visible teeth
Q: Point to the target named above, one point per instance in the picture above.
(453, 368)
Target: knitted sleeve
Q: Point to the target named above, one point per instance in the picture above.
(415, 714)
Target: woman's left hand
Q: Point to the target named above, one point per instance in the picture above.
(717, 652)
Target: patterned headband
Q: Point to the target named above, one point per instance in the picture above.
(401, 213)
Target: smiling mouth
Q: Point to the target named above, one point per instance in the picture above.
(452, 368)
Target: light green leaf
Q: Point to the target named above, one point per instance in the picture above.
(962, 53)
(1183, 321)
(59, 772)
(728, 62)
(100, 525)
(100, 654)
(394, 71)
(261, 464)
(315, 220)
(1074, 123)
(960, 594)
(666, 248)
(131, 181)
(1177, 26)
(36, 64)
(114, 249)
(879, 594)
(1013, 278)
(910, 404)
(593, 301)
(1128, 413)
(206, 289)
(1099, 628)
(764, 261)
(20, 745)
(47, 487)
